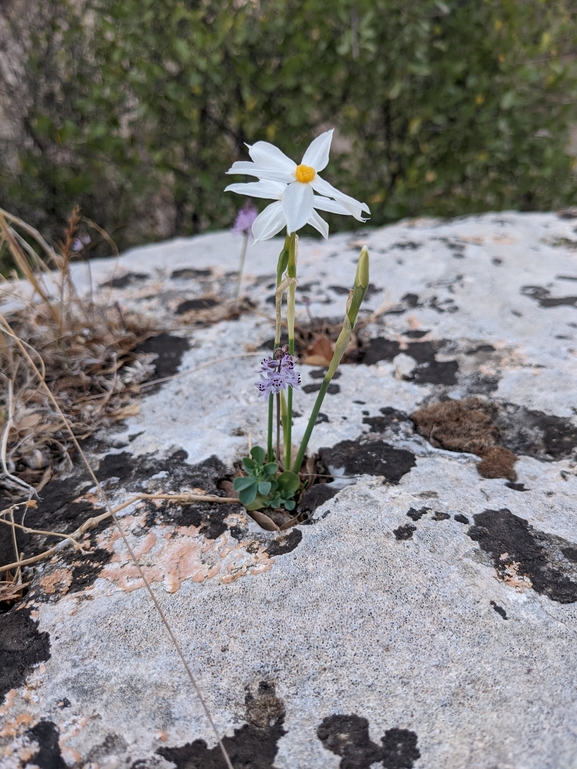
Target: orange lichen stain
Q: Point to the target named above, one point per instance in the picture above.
(19, 752)
(57, 581)
(235, 519)
(71, 756)
(170, 555)
(472, 239)
(8, 702)
(14, 727)
(503, 239)
(161, 736)
(68, 729)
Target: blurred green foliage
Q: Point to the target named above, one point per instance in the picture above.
(445, 106)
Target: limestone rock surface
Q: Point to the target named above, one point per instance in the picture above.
(424, 616)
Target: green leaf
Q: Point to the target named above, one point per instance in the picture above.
(182, 50)
(290, 504)
(258, 453)
(247, 496)
(508, 99)
(249, 464)
(269, 470)
(244, 483)
(275, 502)
(258, 504)
(264, 487)
(288, 483)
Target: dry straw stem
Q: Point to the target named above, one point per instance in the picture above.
(111, 512)
(72, 538)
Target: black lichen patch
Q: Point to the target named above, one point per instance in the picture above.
(405, 532)
(21, 647)
(169, 349)
(348, 737)
(48, 755)
(499, 609)
(516, 486)
(196, 304)
(173, 474)
(253, 746)
(314, 496)
(428, 371)
(319, 373)
(371, 458)
(480, 348)
(63, 508)
(514, 544)
(60, 509)
(379, 349)
(415, 333)
(86, 569)
(570, 553)
(534, 433)
(344, 291)
(188, 274)
(122, 281)
(467, 425)
(544, 298)
(460, 518)
(391, 419)
(416, 515)
(406, 244)
(438, 516)
(284, 544)
(400, 749)
(332, 389)
(436, 372)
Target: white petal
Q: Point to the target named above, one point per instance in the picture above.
(263, 189)
(319, 224)
(317, 155)
(297, 203)
(352, 205)
(268, 222)
(251, 169)
(268, 156)
(324, 204)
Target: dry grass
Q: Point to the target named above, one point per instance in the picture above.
(83, 350)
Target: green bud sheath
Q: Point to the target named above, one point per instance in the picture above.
(354, 302)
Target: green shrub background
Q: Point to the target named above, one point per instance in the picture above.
(449, 107)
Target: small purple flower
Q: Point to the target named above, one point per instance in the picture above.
(79, 242)
(277, 373)
(244, 219)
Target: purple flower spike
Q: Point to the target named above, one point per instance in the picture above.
(277, 374)
(244, 219)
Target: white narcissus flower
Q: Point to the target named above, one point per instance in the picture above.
(293, 188)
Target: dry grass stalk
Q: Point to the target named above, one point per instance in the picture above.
(85, 353)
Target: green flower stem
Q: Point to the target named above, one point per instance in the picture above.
(280, 268)
(278, 422)
(354, 302)
(290, 314)
(269, 449)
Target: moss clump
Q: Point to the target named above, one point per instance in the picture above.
(467, 425)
